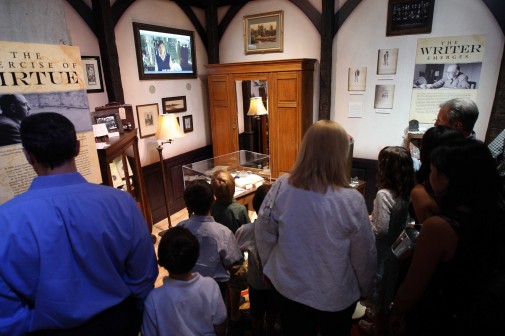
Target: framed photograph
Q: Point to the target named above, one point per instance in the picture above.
(187, 123)
(110, 118)
(357, 79)
(147, 116)
(409, 17)
(386, 61)
(384, 96)
(263, 33)
(164, 53)
(92, 73)
(174, 104)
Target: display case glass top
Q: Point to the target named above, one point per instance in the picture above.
(248, 168)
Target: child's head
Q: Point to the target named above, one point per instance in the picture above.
(223, 186)
(395, 170)
(198, 197)
(259, 196)
(178, 250)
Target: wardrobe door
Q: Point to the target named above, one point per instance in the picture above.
(223, 115)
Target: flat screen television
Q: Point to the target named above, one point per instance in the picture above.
(164, 53)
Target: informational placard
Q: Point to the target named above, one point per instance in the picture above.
(446, 68)
(44, 78)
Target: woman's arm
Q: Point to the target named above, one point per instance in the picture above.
(424, 204)
(436, 243)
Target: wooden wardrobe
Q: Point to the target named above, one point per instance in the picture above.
(290, 106)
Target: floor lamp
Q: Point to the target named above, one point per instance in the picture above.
(168, 130)
(256, 110)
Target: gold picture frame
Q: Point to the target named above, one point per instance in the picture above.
(147, 116)
(264, 33)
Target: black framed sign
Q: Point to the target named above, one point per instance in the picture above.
(409, 17)
(164, 53)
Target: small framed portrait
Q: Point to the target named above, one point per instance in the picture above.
(92, 73)
(174, 104)
(147, 116)
(387, 60)
(263, 33)
(409, 17)
(356, 80)
(110, 118)
(187, 123)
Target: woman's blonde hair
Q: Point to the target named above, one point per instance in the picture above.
(322, 158)
(223, 186)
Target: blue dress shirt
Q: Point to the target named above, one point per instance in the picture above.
(70, 249)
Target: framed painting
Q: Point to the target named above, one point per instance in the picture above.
(92, 73)
(187, 123)
(174, 104)
(147, 116)
(164, 53)
(263, 33)
(409, 17)
(110, 118)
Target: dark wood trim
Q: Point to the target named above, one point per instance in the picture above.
(343, 13)
(211, 24)
(118, 9)
(497, 119)
(230, 14)
(497, 8)
(108, 50)
(194, 20)
(85, 13)
(326, 62)
(173, 166)
(311, 12)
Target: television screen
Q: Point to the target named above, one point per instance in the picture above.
(164, 53)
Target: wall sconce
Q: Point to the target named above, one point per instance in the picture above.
(168, 130)
(256, 107)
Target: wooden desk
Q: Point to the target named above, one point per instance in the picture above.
(246, 197)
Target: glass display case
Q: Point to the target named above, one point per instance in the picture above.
(249, 169)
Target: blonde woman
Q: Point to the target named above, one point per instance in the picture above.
(315, 240)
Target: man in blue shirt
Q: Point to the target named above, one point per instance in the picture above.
(75, 258)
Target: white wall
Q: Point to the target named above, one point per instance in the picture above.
(357, 44)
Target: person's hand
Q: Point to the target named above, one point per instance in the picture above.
(396, 323)
(423, 86)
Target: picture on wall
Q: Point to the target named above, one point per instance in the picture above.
(164, 53)
(92, 73)
(263, 33)
(384, 96)
(357, 79)
(187, 123)
(386, 61)
(174, 104)
(147, 116)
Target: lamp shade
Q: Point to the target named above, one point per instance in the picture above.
(256, 107)
(168, 128)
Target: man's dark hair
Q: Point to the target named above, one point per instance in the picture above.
(6, 101)
(464, 110)
(199, 197)
(178, 250)
(259, 196)
(50, 138)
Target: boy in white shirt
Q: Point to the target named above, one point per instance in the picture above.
(187, 303)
